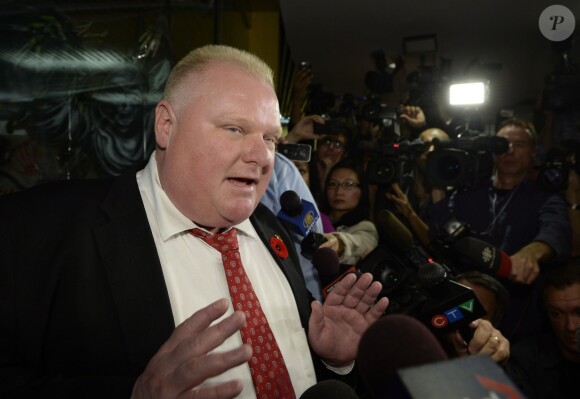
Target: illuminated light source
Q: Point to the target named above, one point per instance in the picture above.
(473, 93)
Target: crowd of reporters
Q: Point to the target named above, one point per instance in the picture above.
(505, 190)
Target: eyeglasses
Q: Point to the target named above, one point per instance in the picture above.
(333, 143)
(345, 185)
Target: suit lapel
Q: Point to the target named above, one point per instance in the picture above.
(134, 271)
(268, 226)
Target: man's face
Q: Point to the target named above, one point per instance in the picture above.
(563, 308)
(217, 145)
(519, 157)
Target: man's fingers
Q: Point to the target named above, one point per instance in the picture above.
(210, 338)
(185, 361)
(359, 294)
(197, 322)
(198, 369)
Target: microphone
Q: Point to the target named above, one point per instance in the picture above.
(329, 389)
(578, 338)
(395, 231)
(394, 342)
(449, 306)
(326, 261)
(484, 257)
(299, 214)
(400, 236)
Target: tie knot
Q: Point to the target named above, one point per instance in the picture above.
(222, 242)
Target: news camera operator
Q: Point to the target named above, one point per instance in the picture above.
(413, 197)
(511, 212)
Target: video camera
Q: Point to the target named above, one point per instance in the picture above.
(392, 160)
(464, 162)
(558, 161)
(387, 118)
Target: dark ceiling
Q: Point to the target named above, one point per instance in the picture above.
(338, 36)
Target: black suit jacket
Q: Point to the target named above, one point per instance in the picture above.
(83, 302)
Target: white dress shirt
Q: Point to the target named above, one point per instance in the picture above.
(194, 277)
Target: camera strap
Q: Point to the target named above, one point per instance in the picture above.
(493, 200)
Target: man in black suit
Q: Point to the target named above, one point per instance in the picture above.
(96, 275)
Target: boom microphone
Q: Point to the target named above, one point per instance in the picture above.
(483, 257)
(398, 235)
(326, 261)
(395, 230)
(334, 389)
(394, 342)
(299, 214)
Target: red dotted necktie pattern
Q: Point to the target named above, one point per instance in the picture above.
(267, 366)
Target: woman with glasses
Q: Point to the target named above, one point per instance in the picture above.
(330, 149)
(347, 205)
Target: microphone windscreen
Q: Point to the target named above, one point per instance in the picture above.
(484, 257)
(394, 342)
(505, 266)
(290, 203)
(326, 261)
(395, 231)
(334, 389)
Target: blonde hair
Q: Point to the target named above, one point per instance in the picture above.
(197, 60)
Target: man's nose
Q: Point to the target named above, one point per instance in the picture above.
(257, 150)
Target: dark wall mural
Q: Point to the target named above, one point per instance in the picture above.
(77, 95)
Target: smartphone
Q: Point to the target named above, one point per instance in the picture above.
(329, 127)
(296, 152)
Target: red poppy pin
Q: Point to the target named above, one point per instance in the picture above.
(279, 247)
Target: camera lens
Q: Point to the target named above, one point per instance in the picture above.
(449, 168)
(383, 172)
(554, 178)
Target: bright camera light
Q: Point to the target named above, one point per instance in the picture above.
(467, 93)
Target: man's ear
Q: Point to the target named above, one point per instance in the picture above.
(164, 122)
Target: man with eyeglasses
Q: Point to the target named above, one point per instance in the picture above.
(511, 212)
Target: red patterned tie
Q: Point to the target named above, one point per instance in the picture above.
(267, 366)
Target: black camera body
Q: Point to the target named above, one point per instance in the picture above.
(329, 127)
(558, 161)
(391, 161)
(427, 291)
(311, 243)
(383, 116)
(465, 161)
